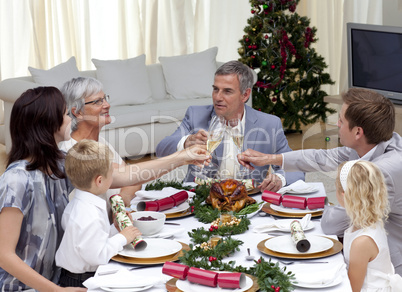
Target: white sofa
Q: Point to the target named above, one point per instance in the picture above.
(136, 128)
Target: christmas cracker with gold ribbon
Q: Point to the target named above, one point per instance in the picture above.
(119, 210)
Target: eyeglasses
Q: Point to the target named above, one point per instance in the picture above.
(99, 101)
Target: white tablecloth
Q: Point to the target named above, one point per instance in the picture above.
(250, 239)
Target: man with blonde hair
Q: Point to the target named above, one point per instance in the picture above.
(366, 124)
(89, 240)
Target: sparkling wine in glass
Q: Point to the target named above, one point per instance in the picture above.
(216, 131)
(237, 133)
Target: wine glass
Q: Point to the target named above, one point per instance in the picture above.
(237, 133)
(216, 131)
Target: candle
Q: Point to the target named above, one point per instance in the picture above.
(226, 218)
(214, 241)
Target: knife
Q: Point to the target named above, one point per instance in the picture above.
(172, 223)
(115, 271)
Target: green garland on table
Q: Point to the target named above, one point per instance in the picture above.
(271, 277)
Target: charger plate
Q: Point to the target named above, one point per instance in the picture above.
(184, 213)
(254, 191)
(267, 209)
(337, 247)
(151, 261)
(171, 285)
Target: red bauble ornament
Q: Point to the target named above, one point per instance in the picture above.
(277, 289)
(266, 36)
(273, 67)
(274, 99)
(253, 57)
(252, 11)
(247, 39)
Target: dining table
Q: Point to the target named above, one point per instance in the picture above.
(252, 241)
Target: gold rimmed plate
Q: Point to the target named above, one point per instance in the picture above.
(253, 191)
(184, 213)
(267, 209)
(337, 247)
(171, 285)
(151, 261)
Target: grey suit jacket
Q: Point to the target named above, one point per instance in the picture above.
(263, 132)
(388, 157)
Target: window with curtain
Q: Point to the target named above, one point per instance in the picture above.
(44, 33)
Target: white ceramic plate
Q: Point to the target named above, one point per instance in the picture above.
(180, 208)
(157, 247)
(131, 289)
(255, 213)
(282, 209)
(335, 282)
(285, 244)
(187, 286)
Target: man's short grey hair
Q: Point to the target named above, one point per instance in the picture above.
(76, 91)
(243, 72)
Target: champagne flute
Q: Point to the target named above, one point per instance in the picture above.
(216, 131)
(237, 134)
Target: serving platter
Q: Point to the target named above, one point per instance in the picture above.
(337, 247)
(171, 286)
(151, 261)
(268, 209)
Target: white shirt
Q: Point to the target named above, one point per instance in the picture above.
(230, 164)
(89, 240)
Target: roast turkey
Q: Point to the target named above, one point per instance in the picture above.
(229, 195)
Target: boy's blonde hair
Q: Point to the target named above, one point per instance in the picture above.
(366, 195)
(85, 161)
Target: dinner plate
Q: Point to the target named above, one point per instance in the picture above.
(171, 286)
(337, 247)
(157, 247)
(280, 208)
(129, 289)
(180, 208)
(335, 282)
(185, 285)
(285, 244)
(253, 191)
(267, 208)
(151, 261)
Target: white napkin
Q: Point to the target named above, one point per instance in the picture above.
(121, 279)
(282, 224)
(298, 187)
(317, 275)
(165, 192)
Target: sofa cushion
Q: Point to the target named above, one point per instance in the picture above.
(126, 81)
(134, 115)
(57, 75)
(190, 76)
(174, 110)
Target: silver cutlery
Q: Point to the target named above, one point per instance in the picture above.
(301, 262)
(249, 257)
(115, 271)
(172, 223)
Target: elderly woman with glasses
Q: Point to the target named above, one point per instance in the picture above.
(88, 106)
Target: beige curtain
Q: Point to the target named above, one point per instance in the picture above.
(44, 33)
(330, 18)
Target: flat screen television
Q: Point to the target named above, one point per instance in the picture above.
(375, 59)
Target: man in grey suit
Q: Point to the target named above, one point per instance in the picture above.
(366, 124)
(263, 132)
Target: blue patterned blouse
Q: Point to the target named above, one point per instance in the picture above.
(41, 200)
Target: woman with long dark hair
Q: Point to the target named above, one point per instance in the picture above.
(34, 190)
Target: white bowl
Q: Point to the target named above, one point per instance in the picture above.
(151, 226)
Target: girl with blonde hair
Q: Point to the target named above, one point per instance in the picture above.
(362, 191)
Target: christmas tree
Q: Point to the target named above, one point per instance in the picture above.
(277, 45)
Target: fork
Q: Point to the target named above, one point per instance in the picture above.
(301, 262)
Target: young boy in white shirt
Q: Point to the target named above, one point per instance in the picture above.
(89, 240)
